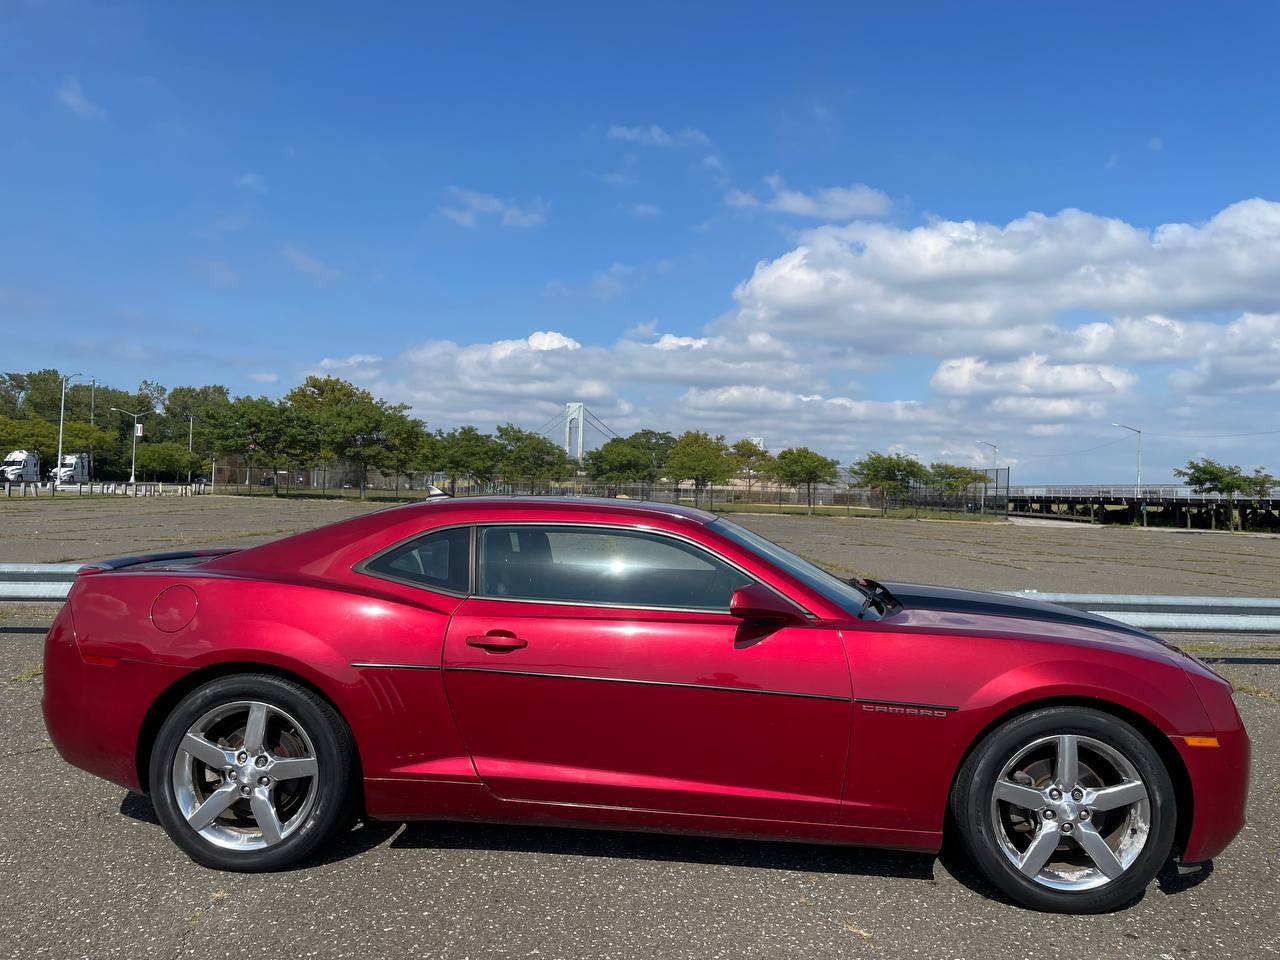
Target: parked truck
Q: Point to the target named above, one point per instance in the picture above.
(20, 466)
(74, 469)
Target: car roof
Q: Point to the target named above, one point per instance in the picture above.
(560, 504)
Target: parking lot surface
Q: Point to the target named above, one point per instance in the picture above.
(1062, 558)
(85, 871)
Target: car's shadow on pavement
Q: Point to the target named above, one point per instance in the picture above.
(666, 848)
(956, 861)
(671, 848)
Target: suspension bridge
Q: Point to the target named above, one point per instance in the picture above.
(578, 428)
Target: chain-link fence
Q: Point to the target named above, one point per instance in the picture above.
(338, 479)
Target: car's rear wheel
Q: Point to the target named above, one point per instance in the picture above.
(252, 772)
(1066, 809)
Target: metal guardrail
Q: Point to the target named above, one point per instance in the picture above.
(37, 581)
(1199, 614)
(51, 582)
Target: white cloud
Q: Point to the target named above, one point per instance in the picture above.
(1035, 334)
(670, 341)
(471, 205)
(1241, 357)
(827, 203)
(1043, 408)
(968, 376)
(1155, 144)
(255, 182)
(304, 262)
(645, 210)
(72, 96)
(950, 285)
(655, 136)
(265, 377)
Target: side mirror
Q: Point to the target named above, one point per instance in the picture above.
(755, 601)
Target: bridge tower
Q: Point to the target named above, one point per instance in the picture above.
(574, 412)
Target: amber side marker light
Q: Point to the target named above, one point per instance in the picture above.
(1200, 741)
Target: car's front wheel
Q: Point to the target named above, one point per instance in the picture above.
(251, 772)
(1066, 809)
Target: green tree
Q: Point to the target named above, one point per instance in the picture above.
(405, 441)
(753, 463)
(165, 458)
(12, 387)
(657, 446)
(255, 428)
(620, 461)
(466, 452)
(352, 423)
(186, 414)
(701, 458)
(523, 454)
(952, 478)
(41, 394)
(801, 466)
(1260, 483)
(1210, 476)
(29, 433)
(891, 474)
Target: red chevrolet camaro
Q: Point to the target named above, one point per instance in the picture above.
(635, 666)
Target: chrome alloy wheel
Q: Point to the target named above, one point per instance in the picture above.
(244, 775)
(1070, 812)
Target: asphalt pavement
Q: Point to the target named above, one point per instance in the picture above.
(85, 871)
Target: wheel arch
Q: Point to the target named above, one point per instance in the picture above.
(172, 695)
(1164, 748)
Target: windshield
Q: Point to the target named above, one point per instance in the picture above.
(840, 592)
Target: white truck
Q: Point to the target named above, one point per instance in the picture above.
(74, 469)
(20, 466)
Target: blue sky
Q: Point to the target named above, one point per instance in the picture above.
(819, 224)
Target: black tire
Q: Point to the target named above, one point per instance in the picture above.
(971, 804)
(333, 781)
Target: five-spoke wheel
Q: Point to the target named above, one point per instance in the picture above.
(251, 772)
(1066, 809)
(244, 775)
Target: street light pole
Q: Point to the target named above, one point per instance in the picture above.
(133, 461)
(62, 414)
(995, 463)
(1137, 489)
(93, 396)
(191, 432)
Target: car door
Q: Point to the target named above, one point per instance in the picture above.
(599, 665)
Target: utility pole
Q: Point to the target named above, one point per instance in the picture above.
(1137, 488)
(62, 415)
(191, 432)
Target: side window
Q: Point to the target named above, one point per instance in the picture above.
(441, 560)
(604, 566)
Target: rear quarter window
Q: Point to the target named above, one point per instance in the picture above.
(438, 561)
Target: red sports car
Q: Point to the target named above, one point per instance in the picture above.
(635, 666)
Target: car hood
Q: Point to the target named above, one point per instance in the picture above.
(976, 610)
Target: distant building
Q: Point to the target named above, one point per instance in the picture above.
(759, 442)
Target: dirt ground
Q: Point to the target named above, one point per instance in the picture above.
(995, 556)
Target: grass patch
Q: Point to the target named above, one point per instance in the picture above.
(1216, 648)
(28, 676)
(1253, 690)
